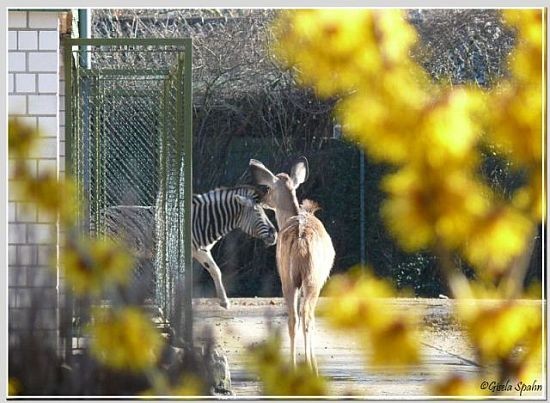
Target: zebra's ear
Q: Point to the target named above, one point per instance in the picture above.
(245, 201)
(300, 171)
(261, 175)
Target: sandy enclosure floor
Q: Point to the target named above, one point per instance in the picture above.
(444, 347)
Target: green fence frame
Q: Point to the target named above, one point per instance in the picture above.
(75, 69)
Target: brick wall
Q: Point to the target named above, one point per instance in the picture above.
(33, 97)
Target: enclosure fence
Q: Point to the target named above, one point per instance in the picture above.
(129, 142)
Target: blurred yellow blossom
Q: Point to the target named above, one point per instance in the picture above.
(52, 195)
(90, 265)
(527, 57)
(423, 207)
(124, 339)
(396, 344)
(499, 237)
(531, 198)
(382, 123)
(516, 119)
(529, 364)
(361, 304)
(457, 385)
(496, 326)
(359, 300)
(496, 330)
(449, 130)
(21, 139)
(276, 374)
(14, 386)
(336, 50)
(189, 385)
(515, 122)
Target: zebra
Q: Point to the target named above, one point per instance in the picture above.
(214, 215)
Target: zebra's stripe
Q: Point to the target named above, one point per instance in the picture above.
(215, 213)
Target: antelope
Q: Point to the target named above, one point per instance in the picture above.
(304, 251)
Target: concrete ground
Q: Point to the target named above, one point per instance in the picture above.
(445, 350)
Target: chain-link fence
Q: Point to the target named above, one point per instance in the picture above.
(128, 122)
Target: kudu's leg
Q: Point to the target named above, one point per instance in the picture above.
(311, 346)
(207, 261)
(308, 322)
(290, 294)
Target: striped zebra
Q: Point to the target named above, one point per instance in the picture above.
(214, 215)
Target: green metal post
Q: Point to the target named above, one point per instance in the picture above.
(97, 149)
(181, 326)
(162, 195)
(188, 191)
(67, 317)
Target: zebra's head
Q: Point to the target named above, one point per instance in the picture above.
(254, 222)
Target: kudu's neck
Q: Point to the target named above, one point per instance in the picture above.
(285, 211)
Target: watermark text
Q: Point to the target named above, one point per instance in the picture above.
(507, 386)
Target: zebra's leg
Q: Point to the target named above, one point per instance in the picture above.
(207, 261)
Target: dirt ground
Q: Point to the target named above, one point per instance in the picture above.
(445, 350)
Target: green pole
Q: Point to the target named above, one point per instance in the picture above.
(67, 314)
(188, 191)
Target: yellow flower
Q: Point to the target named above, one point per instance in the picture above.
(517, 116)
(497, 239)
(50, 194)
(529, 365)
(426, 205)
(527, 57)
(336, 51)
(449, 130)
(370, 118)
(21, 139)
(124, 339)
(457, 385)
(497, 326)
(358, 299)
(440, 130)
(396, 344)
(277, 376)
(530, 198)
(359, 302)
(53, 195)
(90, 265)
(515, 122)
(14, 386)
(189, 385)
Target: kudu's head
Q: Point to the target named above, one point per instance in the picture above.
(281, 193)
(254, 222)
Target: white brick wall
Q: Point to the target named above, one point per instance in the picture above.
(47, 83)
(33, 55)
(48, 40)
(43, 61)
(43, 19)
(27, 40)
(17, 19)
(25, 82)
(17, 61)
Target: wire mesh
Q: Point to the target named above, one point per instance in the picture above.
(128, 134)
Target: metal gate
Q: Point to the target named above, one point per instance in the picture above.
(129, 142)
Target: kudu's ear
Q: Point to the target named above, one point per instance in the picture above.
(245, 201)
(261, 175)
(300, 171)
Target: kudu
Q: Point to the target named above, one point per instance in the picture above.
(304, 252)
